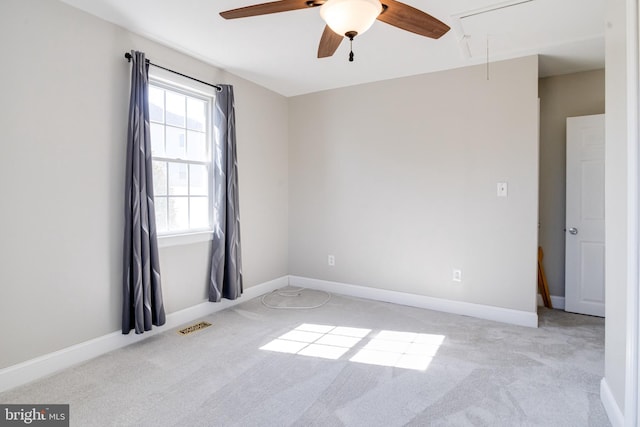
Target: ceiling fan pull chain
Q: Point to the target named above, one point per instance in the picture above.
(351, 52)
(351, 35)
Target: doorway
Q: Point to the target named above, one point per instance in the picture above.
(569, 95)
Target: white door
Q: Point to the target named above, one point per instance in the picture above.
(584, 235)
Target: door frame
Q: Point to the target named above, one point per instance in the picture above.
(631, 412)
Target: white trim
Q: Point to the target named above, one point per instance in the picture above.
(610, 406)
(48, 364)
(168, 240)
(556, 301)
(498, 314)
(632, 410)
(184, 83)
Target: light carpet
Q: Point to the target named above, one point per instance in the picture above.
(358, 363)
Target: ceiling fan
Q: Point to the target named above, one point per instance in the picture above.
(348, 18)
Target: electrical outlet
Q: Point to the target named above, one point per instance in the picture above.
(457, 275)
(503, 189)
(331, 260)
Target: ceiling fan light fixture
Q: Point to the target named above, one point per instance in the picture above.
(348, 16)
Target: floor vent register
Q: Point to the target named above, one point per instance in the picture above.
(193, 328)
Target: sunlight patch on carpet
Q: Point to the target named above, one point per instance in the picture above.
(407, 350)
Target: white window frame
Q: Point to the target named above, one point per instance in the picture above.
(176, 83)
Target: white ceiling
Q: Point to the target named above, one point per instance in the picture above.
(278, 51)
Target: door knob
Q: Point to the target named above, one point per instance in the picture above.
(573, 231)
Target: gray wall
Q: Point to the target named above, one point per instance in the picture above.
(397, 179)
(63, 115)
(616, 197)
(570, 95)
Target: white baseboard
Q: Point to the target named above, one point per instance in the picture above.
(50, 363)
(498, 314)
(610, 406)
(556, 301)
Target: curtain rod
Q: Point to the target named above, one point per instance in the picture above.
(218, 88)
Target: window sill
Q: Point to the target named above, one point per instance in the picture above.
(184, 239)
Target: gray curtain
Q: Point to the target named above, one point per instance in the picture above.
(226, 266)
(142, 304)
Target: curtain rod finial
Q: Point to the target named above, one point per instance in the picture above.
(128, 56)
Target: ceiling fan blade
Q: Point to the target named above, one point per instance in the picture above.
(411, 19)
(329, 42)
(266, 8)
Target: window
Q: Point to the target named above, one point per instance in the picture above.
(181, 148)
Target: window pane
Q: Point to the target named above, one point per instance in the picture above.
(156, 104)
(176, 144)
(180, 138)
(199, 180)
(199, 212)
(159, 178)
(196, 114)
(178, 213)
(157, 139)
(161, 214)
(175, 109)
(196, 146)
(178, 179)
